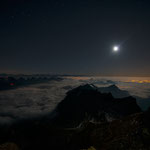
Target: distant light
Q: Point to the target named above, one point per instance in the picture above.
(115, 48)
(11, 84)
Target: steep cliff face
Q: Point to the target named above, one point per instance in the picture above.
(86, 102)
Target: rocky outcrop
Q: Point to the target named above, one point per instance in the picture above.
(88, 103)
(132, 132)
(115, 91)
(9, 146)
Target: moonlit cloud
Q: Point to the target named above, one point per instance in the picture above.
(40, 99)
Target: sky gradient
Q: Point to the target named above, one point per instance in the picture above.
(75, 37)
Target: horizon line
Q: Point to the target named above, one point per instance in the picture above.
(86, 75)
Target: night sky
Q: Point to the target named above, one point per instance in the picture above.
(75, 37)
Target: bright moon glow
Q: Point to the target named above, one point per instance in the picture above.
(115, 48)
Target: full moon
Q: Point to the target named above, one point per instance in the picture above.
(115, 48)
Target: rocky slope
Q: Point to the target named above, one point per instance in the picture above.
(129, 133)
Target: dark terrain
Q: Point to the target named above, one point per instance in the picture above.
(85, 119)
(7, 83)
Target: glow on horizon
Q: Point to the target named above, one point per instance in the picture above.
(139, 81)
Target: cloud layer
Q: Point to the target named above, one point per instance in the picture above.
(40, 99)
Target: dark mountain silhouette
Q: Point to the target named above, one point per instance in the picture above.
(115, 91)
(144, 103)
(87, 103)
(7, 83)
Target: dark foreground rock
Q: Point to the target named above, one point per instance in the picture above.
(131, 132)
(9, 146)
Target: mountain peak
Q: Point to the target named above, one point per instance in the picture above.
(87, 102)
(115, 91)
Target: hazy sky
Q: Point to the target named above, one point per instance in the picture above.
(75, 36)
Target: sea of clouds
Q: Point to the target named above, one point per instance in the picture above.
(41, 99)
